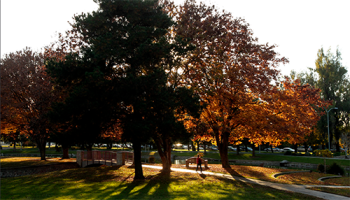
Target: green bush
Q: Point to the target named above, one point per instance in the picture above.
(320, 168)
(335, 169)
(336, 154)
(288, 153)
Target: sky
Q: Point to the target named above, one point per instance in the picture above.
(299, 28)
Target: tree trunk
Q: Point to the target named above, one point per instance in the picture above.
(205, 149)
(137, 160)
(253, 152)
(65, 152)
(223, 148)
(238, 149)
(193, 147)
(14, 146)
(41, 143)
(164, 150)
(56, 147)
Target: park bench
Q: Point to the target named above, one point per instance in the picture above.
(193, 160)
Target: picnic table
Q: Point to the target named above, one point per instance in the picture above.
(193, 160)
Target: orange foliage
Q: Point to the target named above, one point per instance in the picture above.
(234, 74)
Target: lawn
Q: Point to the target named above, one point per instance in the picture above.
(267, 157)
(117, 183)
(15, 162)
(210, 154)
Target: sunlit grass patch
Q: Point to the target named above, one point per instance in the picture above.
(117, 183)
(14, 162)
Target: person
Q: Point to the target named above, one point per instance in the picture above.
(199, 163)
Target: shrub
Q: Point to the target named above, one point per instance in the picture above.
(320, 168)
(336, 154)
(335, 169)
(151, 159)
(323, 153)
(200, 155)
(288, 153)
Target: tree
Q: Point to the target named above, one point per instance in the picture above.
(228, 68)
(332, 79)
(124, 63)
(335, 86)
(26, 95)
(233, 74)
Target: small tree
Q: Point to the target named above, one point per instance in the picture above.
(345, 141)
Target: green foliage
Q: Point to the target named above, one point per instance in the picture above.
(337, 154)
(335, 169)
(323, 153)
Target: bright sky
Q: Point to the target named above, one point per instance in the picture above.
(298, 27)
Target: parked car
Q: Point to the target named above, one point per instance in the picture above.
(274, 149)
(242, 148)
(215, 148)
(302, 149)
(285, 149)
(232, 148)
(116, 145)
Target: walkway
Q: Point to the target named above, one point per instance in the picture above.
(292, 188)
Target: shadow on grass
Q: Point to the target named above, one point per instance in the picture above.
(117, 183)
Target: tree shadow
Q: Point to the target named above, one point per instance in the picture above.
(233, 172)
(203, 176)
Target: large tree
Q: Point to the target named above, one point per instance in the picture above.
(331, 77)
(335, 86)
(124, 64)
(228, 68)
(234, 75)
(26, 95)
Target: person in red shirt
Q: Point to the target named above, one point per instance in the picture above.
(199, 163)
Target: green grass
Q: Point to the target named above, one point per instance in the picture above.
(116, 183)
(30, 150)
(52, 150)
(212, 154)
(16, 162)
(266, 157)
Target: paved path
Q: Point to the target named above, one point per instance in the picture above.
(292, 188)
